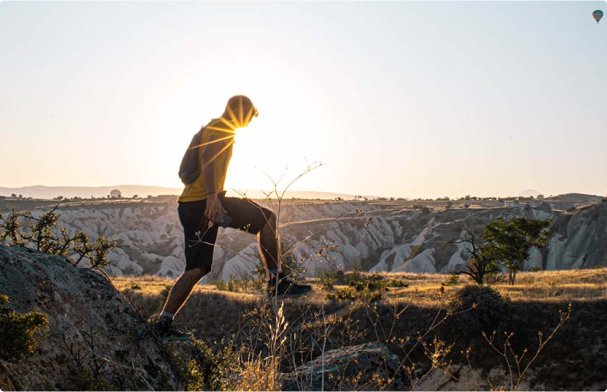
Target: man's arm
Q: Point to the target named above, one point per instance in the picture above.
(209, 154)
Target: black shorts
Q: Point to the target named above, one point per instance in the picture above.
(200, 239)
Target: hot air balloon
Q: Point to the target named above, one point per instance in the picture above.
(597, 15)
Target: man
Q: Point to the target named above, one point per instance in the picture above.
(203, 207)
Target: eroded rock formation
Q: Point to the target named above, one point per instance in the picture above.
(94, 340)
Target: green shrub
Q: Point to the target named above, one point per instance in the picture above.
(43, 234)
(17, 332)
(375, 282)
(482, 309)
(219, 284)
(233, 285)
(397, 283)
(451, 280)
(345, 294)
(367, 288)
(354, 276)
(368, 296)
(328, 279)
(135, 286)
(204, 368)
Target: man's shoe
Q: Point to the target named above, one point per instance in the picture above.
(168, 333)
(286, 288)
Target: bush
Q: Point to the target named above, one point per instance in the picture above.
(345, 294)
(234, 285)
(204, 368)
(17, 332)
(451, 280)
(354, 276)
(366, 288)
(328, 279)
(43, 234)
(397, 283)
(482, 310)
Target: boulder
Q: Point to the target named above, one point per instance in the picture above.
(94, 341)
(349, 368)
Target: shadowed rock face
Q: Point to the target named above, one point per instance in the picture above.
(92, 329)
(579, 239)
(350, 368)
(379, 236)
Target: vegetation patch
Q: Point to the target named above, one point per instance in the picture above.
(39, 233)
(17, 331)
(486, 312)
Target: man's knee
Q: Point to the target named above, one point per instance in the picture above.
(270, 221)
(195, 274)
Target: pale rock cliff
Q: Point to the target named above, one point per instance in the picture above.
(340, 235)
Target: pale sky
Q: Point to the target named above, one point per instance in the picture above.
(404, 99)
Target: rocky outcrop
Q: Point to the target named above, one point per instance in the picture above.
(95, 340)
(579, 239)
(361, 367)
(340, 235)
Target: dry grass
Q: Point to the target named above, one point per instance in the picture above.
(544, 286)
(536, 299)
(425, 289)
(257, 376)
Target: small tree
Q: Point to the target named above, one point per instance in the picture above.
(506, 243)
(509, 241)
(42, 234)
(481, 262)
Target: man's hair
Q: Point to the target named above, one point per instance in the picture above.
(240, 109)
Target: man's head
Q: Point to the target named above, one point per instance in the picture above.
(240, 110)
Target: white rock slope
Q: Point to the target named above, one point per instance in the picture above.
(339, 235)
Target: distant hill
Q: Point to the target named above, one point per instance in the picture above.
(575, 198)
(256, 194)
(529, 192)
(50, 192)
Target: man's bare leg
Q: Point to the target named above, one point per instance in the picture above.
(181, 290)
(269, 244)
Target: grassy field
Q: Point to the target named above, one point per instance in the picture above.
(424, 289)
(573, 360)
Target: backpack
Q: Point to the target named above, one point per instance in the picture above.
(189, 170)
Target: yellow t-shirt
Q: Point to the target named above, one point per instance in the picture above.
(220, 130)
